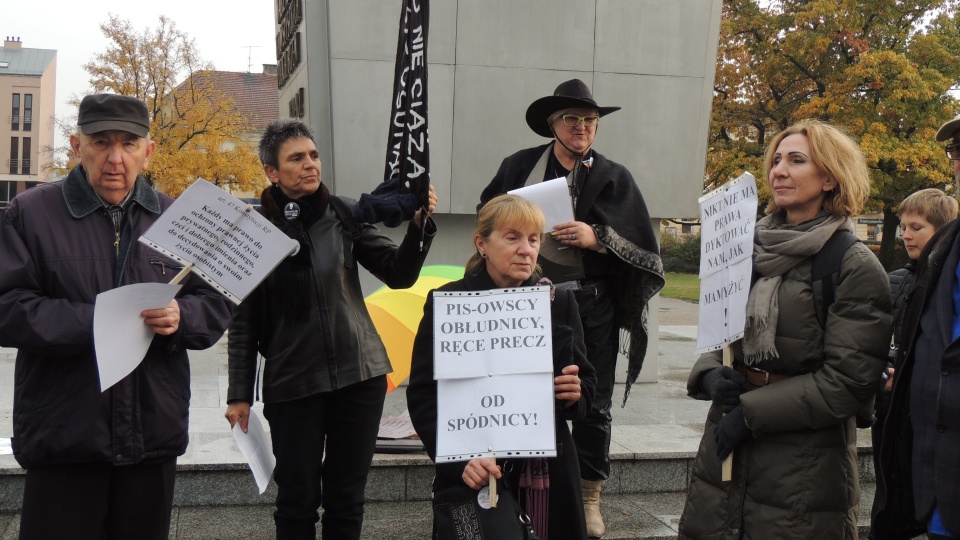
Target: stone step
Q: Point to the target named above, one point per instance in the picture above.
(636, 516)
(396, 478)
(643, 499)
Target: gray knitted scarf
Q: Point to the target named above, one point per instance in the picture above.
(777, 248)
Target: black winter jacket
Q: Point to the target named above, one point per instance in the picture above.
(611, 203)
(901, 282)
(566, 505)
(57, 252)
(928, 421)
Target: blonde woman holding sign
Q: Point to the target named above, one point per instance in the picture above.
(507, 238)
(797, 384)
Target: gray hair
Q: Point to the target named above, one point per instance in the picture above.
(277, 133)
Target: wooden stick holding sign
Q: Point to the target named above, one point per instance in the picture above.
(493, 491)
(728, 216)
(180, 275)
(726, 468)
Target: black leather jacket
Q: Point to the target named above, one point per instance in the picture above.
(337, 344)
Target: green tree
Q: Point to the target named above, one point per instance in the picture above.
(882, 69)
(190, 120)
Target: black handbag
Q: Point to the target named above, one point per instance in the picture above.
(458, 515)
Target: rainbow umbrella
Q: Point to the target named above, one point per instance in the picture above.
(397, 314)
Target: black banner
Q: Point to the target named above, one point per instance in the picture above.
(408, 143)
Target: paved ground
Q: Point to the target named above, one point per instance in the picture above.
(678, 312)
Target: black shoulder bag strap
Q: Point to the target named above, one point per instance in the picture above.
(826, 272)
(345, 215)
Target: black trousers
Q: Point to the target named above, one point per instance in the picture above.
(98, 501)
(324, 445)
(601, 335)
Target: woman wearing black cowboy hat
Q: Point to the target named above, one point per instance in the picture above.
(621, 260)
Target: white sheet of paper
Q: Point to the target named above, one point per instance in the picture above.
(228, 244)
(728, 217)
(255, 447)
(502, 415)
(120, 337)
(723, 306)
(553, 198)
(480, 333)
(396, 427)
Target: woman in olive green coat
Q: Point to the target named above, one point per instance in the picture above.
(793, 395)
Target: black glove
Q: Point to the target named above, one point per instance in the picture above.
(724, 386)
(731, 431)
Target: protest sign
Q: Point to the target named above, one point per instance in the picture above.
(493, 361)
(223, 239)
(496, 332)
(497, 416)
(728, 215)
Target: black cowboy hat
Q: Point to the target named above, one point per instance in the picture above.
(573, 94)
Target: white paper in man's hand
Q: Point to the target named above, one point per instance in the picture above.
(553, 198)
(256, 450)
(120, 337)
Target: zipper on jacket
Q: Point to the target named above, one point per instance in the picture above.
(115, 215)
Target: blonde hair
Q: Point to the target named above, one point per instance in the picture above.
(837, 156)
(505, 211)
(932, 205)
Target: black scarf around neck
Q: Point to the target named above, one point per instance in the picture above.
(294, 217)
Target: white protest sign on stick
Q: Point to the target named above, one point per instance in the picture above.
(221, 239)
(493, 362)
(728, 215)
(496, 332)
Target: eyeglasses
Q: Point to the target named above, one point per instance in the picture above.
(573, 120)
(953, 151)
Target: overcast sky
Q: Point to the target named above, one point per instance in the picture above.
(223, 30)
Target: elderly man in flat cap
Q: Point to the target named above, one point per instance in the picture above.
(613, 235)
(98, 464)
(918, 461)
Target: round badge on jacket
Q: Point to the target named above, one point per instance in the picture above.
(291, 211)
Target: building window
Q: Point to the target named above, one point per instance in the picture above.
(8, 190)
(15, 115)
(27, 112)
(14, 154)
(25, 162)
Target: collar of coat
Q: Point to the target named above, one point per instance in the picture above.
(82, 200)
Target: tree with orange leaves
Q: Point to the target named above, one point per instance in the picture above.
(882, 69)
(196, 127)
